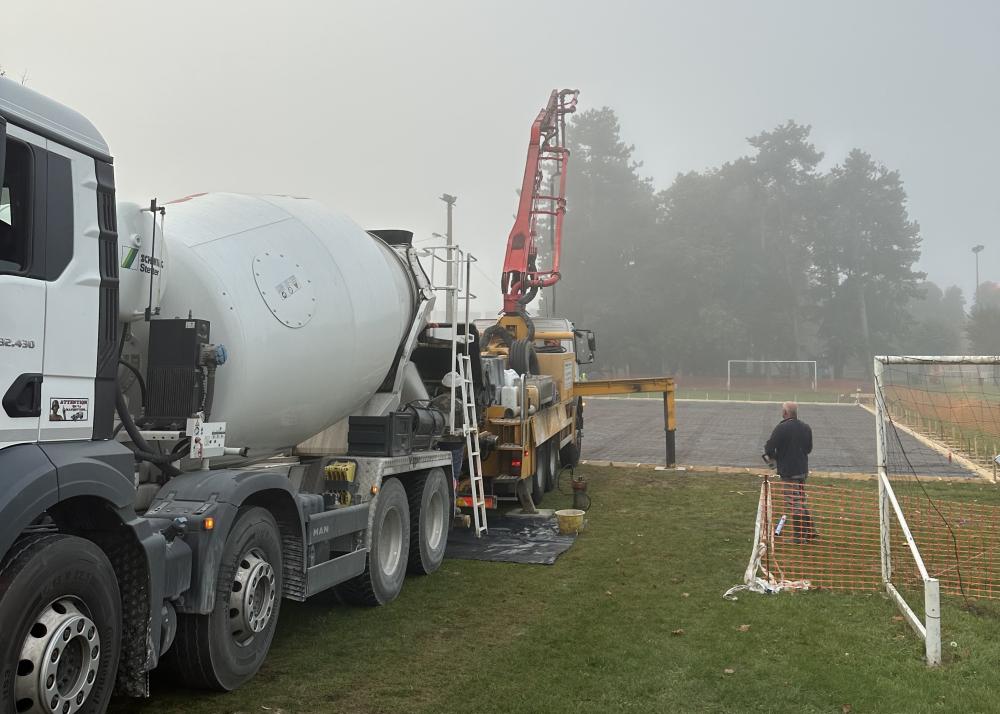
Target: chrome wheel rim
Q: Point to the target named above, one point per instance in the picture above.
(434, 521)
(390, 542)
(59, 660)
(252, 598)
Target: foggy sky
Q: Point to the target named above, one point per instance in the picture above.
(376, 108)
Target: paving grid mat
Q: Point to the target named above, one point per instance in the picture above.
(733, 434)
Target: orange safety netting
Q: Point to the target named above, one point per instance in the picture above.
(966, 555)
(819, 536)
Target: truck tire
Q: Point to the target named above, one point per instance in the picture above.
(552, 473)
(60, 615)
(430, 520)
(388, 553)
(540, 479)
(225, 648)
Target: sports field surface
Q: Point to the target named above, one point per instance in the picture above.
(733, 434)
(630, 619)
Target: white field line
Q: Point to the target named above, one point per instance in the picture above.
(751, 471)
(939, 447)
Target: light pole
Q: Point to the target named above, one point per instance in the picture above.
(450, 241)
(977, 250)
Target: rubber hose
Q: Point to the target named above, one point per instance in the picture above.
(143, 451)
(530, 323)
(528, 296)
(209, 392)
(138, 377)
(489, 332)
(522, 358)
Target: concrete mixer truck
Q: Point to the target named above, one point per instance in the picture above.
(152, 358)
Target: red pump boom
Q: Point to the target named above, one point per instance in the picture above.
(547, 154)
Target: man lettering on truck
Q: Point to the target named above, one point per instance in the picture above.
(789, 446)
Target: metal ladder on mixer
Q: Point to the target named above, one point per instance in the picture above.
(470, 427)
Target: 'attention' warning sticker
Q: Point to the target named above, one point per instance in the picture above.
(69, 409)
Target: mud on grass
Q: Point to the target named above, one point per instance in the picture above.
(630, 619)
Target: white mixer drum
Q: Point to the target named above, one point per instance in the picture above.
(311, 308)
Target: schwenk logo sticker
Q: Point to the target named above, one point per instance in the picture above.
(129, 256)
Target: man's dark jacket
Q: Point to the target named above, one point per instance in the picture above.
(790, 444)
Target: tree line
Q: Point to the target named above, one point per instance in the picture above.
(765, 257)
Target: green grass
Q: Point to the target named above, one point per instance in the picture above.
(599, 631)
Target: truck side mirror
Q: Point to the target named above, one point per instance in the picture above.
(584, 345)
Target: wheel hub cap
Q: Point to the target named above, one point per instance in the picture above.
(59, 660)
(434, 522)
(251, 602)
(390, 547)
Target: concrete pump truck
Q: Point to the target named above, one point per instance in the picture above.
(152, 358)
(531, 423)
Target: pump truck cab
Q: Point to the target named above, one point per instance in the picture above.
(152, 359)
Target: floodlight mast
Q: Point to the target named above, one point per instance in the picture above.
(521, 278)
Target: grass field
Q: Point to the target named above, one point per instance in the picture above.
(630, 619)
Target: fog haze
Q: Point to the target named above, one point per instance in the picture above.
(376, 108)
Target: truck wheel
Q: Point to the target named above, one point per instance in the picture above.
(388, 552)
(225, 648)
(540, 479)
(430, 519)
(553, 469)
(60, 615)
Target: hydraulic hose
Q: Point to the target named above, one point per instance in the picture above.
(138, 377)
(209, 391)
(142, 449)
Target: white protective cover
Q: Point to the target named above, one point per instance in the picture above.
(311, 308)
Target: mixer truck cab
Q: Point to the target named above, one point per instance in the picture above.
(153, 358)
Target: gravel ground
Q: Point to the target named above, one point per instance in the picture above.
(733, 434)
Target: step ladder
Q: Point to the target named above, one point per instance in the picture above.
(470, 427)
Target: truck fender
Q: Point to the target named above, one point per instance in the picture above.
(220, 494)
(101, 469)
(69, 481)
(28, 486)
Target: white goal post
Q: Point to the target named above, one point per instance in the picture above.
(730, 363)
(928, 628)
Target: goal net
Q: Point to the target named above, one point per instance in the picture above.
(780, 378)
(950, 405)
(933, 416)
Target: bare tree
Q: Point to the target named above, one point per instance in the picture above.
(24, 74)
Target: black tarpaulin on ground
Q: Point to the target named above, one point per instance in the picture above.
(511, 540)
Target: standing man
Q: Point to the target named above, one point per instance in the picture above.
(790, 444)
